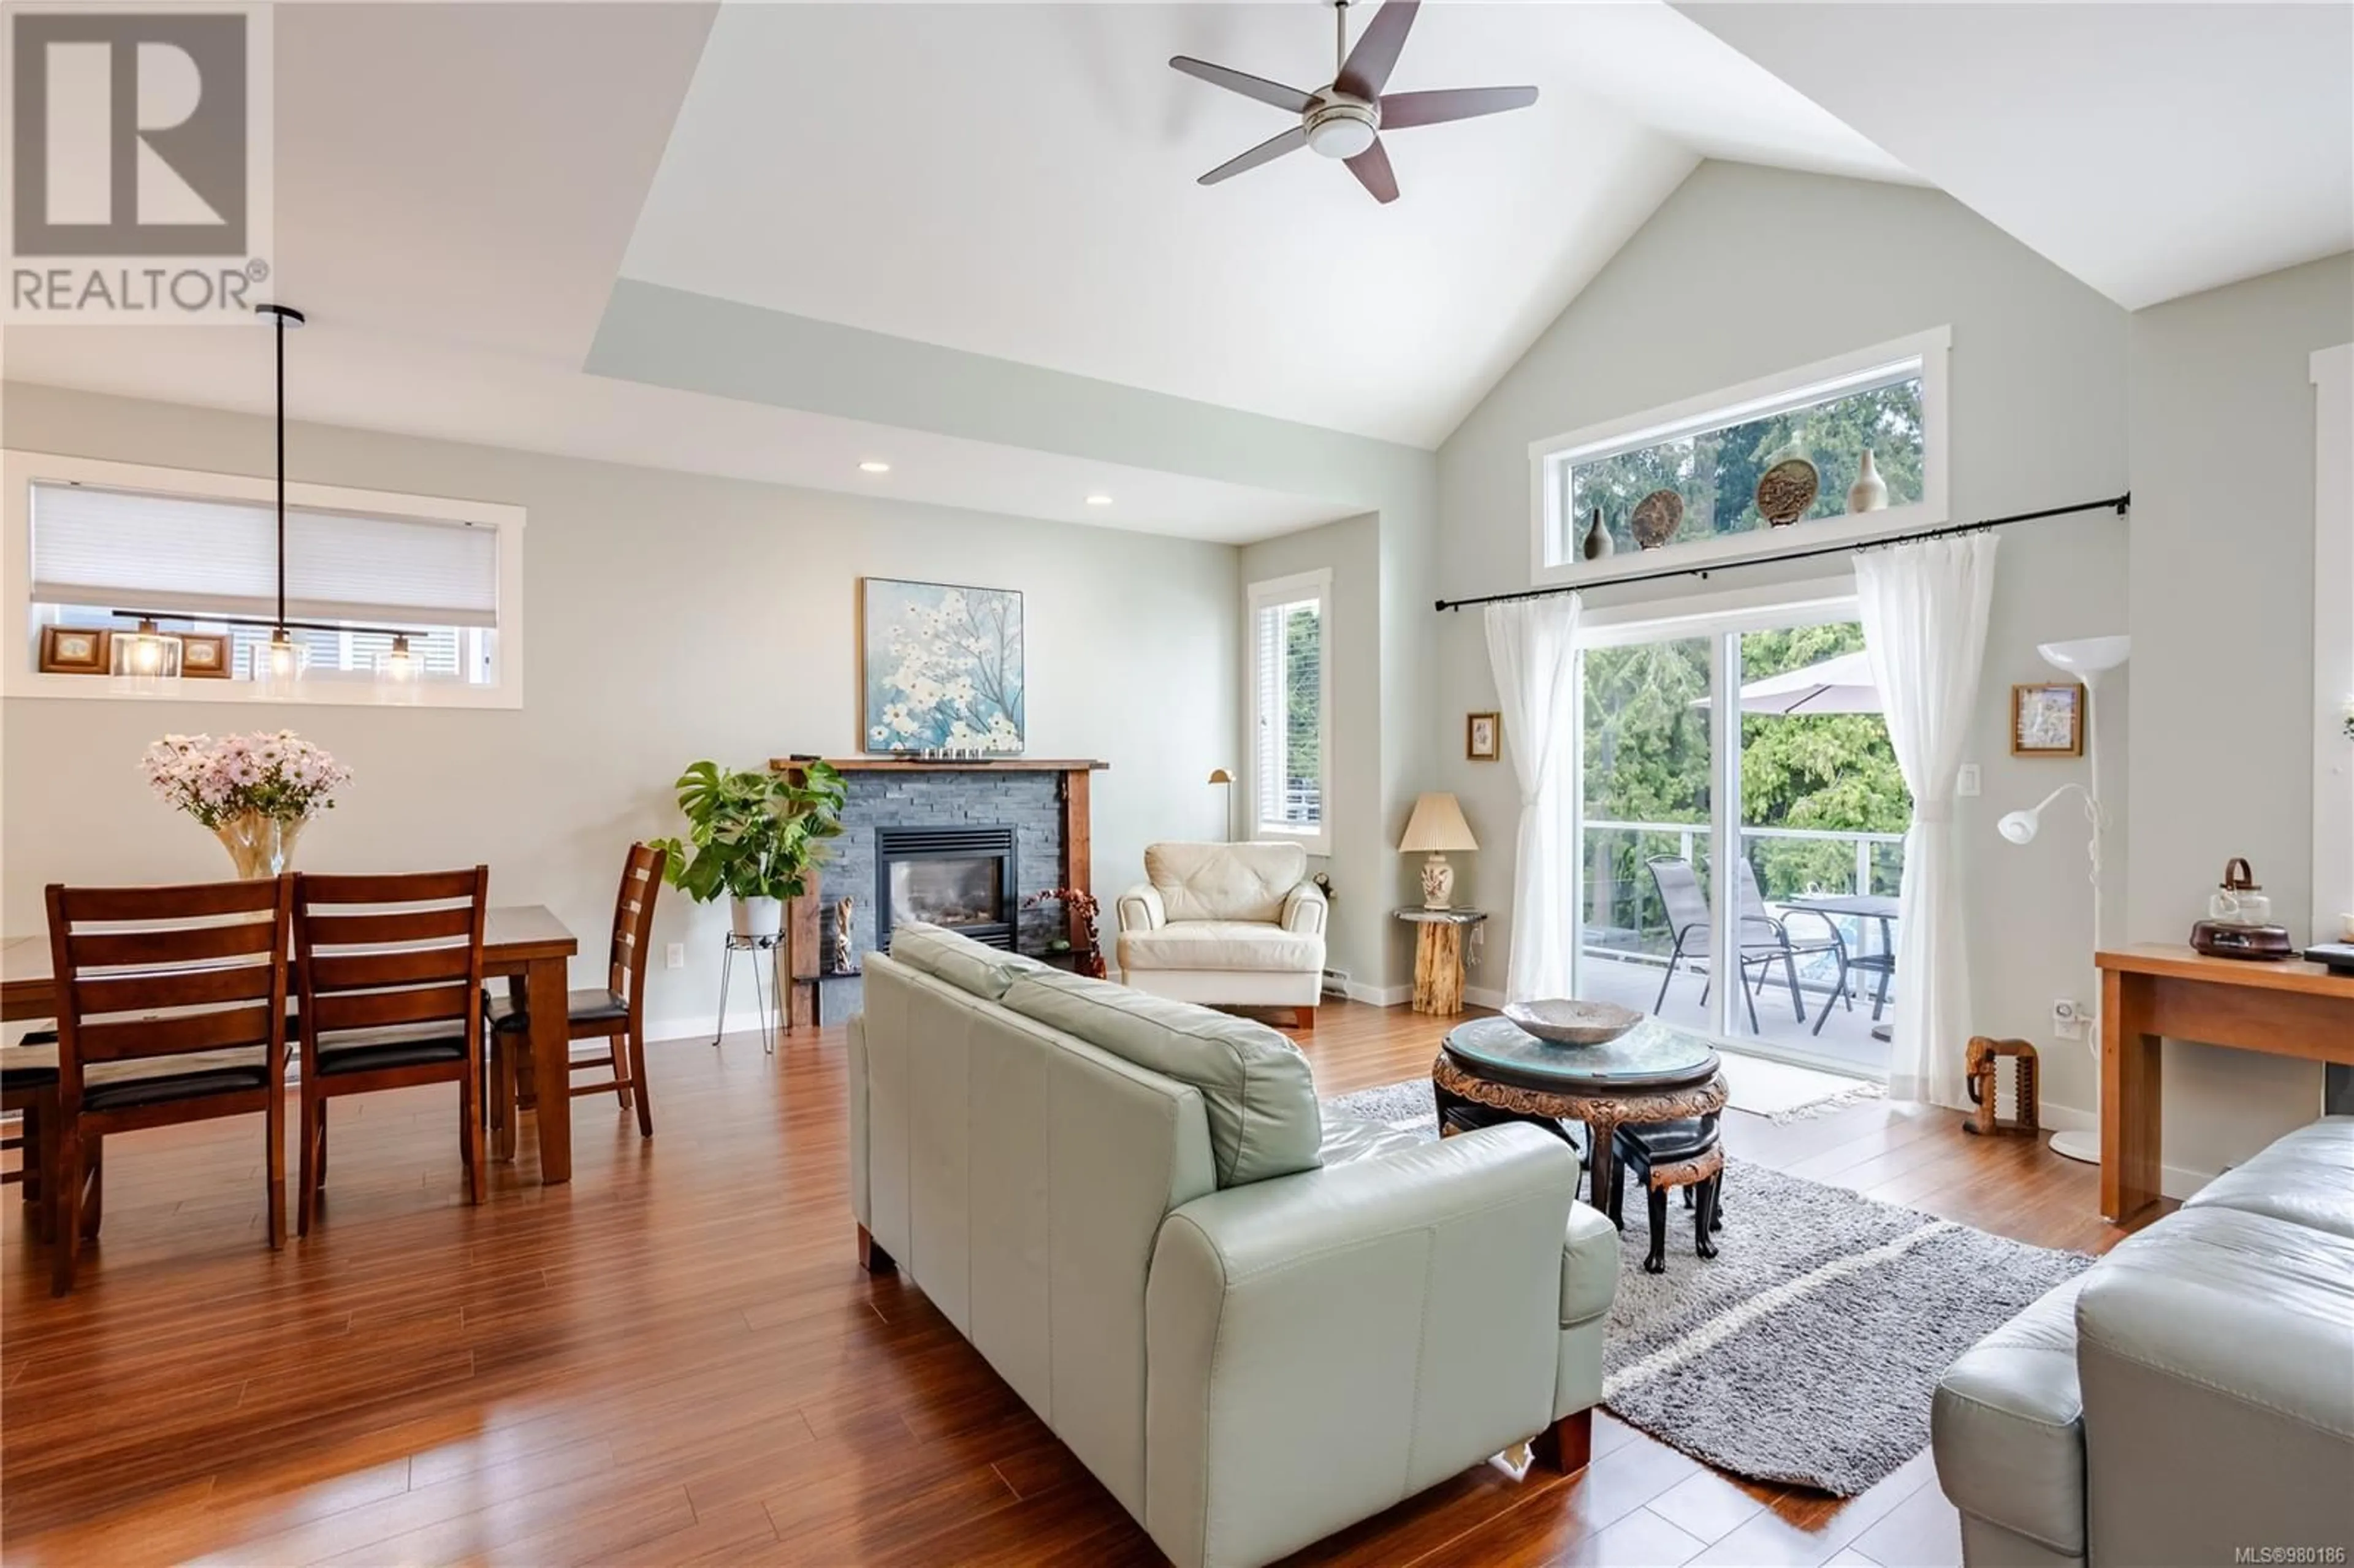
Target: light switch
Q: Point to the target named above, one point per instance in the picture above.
(1966, 781)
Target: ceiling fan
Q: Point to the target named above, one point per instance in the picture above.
(1345, 117)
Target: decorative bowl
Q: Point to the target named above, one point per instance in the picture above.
(1656, 518)
(1787, 491)
(1565, 1022)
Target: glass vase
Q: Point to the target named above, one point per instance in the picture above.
(259, 846)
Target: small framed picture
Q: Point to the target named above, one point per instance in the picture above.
(73, 650)
(1483, 737)
(204, 655)
(2047, 720)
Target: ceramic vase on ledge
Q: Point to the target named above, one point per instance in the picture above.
(259, 845)
(1870, 491)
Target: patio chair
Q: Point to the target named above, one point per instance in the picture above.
(1765, 941)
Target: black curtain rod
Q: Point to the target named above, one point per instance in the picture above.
(2116, 504)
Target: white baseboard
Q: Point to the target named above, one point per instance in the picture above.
(2066, 1118)
(1483, 996)
(1381, 996)
(2176, 1182)
(702, 1026)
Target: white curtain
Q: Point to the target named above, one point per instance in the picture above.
(1924, 628)
(1530, 644)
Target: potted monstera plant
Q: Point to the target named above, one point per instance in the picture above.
(753, 836)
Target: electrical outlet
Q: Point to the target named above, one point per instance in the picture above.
(2068, 1020)
(1965, 782)
(674, 955)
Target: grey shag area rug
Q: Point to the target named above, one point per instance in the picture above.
(1804, 1353)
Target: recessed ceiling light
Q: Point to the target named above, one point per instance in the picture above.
(874, 465)
(1100, 501)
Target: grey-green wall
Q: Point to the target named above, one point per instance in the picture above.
(2222, 446)
(1747, 272)
(2201, 407)
(669, 617)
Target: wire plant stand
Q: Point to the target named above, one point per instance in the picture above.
(754, 946)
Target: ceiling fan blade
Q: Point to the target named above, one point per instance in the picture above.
(1372, 168)
(1401, 110)
(1369, 65)
(1266, 151)
(1258, 86)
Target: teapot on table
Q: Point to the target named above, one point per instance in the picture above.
(2239, 899)
(2239, 923)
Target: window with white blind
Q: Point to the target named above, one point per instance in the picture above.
(1291, 706)
(98, 543)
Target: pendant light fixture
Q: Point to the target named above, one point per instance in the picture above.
(279, 667)
(399, 673)
(144, 663)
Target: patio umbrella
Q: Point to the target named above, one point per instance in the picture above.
(1841, 684)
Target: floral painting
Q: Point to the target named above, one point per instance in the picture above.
(943, 667)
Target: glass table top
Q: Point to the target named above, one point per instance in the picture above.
(1652, 1054)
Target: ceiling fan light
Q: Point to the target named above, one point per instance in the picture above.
(1340, 134)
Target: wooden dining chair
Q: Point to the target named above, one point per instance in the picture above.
(171, 1008)
(388, 970)
(616, 1014)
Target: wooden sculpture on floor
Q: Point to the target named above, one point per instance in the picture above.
(1981, 1064)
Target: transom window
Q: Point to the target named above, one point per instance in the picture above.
(103, 543)
(1290, 708)
(1710, 454)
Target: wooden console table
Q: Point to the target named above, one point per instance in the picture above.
(2156, 990)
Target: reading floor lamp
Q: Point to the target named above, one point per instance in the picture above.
(2087, 659)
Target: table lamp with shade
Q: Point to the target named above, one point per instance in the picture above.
(1436, 830)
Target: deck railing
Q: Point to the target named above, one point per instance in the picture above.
(1623, 915)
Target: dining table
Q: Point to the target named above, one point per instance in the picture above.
(1859, 908)
(519, 941)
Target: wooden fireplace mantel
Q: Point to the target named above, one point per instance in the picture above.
(799, 1001)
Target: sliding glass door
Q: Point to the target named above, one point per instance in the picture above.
(1757, 732)
(1645, 831)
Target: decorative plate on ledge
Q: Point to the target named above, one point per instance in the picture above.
(1562, 1022)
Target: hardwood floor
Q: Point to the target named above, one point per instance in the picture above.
(674, 1359)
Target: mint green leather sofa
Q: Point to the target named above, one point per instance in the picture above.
(1253, 1328)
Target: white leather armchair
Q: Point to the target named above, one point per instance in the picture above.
(1226, 925)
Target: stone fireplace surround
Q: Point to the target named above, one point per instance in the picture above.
(1043, 800)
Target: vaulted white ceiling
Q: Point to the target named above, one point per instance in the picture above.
(2152, 150)
(1018, 180)
(469, 195)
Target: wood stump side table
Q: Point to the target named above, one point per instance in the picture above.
(1439, 955)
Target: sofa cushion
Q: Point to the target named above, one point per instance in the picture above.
(2009, 1423)
(2307, 1178)
(973, 968)
(1589, 1263)
(1225, 882)
(1255, 1084)
(1348, 1138)
(1224, 946)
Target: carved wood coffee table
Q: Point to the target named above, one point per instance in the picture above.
(1489, 1070)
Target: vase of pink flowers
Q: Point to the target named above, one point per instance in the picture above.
(254, 792)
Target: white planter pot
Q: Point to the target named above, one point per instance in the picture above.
(757, 916)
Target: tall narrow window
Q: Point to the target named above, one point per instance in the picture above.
(1290, 627)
